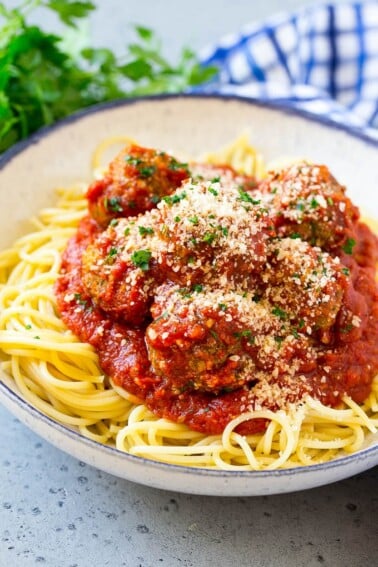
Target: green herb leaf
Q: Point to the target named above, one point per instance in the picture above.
(141, 259)
(349, 245)
(176, 198)
(209, 237)
(147, 171)
(44, 77)
(213, 191)
(113, 204)
(143, 230)
(279, 313)
(112, 253)
(246, 197)
(70, 10)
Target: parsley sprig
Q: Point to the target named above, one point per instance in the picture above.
(42, 79)
(141, 259)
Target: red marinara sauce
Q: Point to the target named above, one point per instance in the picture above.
(227, 296)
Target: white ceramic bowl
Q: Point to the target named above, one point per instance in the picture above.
(186, 125)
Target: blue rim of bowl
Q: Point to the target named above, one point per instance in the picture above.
(107, 449)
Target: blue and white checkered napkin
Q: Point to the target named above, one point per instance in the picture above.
(323, 59)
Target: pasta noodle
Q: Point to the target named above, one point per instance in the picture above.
(61, 377)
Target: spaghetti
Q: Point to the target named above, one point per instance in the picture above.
(61, 376)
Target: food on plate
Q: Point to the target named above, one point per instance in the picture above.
(235, 318)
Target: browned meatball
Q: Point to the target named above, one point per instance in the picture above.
(310, 203)
(197, 339)
(304, 285)
(136, 180)
(213, 229)
(118, 268)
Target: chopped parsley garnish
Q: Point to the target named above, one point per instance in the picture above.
(314, 203)
(174, 165)
(133, 160)
(147, 171)
(177, 219)
(209, 237)
(222, 306)
(299, 206)
(144, 230)
(330, 201)
(155, 199)
(173, 199)
(193, 220)
(346, 271)
(79, 300)
(246, 197)
(28, 327)
(83, 302)
(114, 222)
(224, 230)
(349, 245)
(247, 334)
(113, 204)
(185, 292)
(279, 313)
(215, 179)
(127, 231)
(256, 298)
(198, 288)
(141, 259)
(213, 191)
(295, 235)
(112, 252)
(301, 324)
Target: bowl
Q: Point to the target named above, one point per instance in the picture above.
(186, 125)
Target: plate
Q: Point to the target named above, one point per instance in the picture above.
(185, 125)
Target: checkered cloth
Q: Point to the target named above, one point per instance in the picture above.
(323, 59)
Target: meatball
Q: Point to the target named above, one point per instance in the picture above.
(310, 203)
(118, 270)
(304, 285)
(213, 229)
(197, 339)
(136, 180)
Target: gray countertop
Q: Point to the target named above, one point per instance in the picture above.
(57, 511)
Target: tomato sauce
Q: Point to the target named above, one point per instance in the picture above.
(346, 358)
